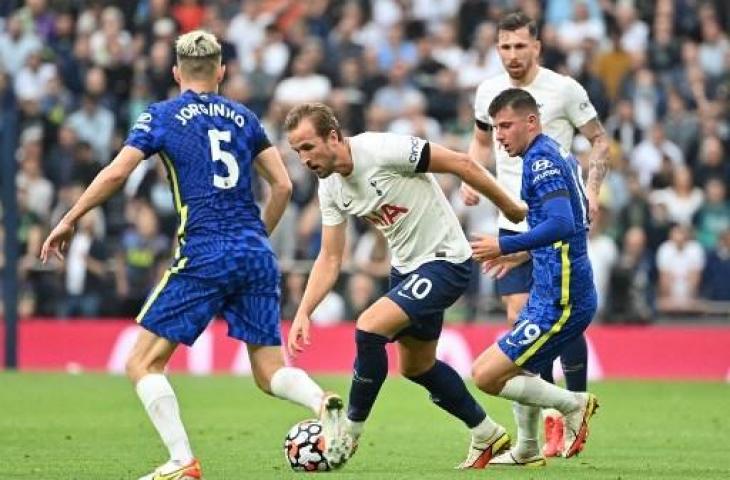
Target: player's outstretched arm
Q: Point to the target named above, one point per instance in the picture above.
(597, 162)
(106, 183)
(268, 164)
(460, 164)
(322, 278)
(480, 150)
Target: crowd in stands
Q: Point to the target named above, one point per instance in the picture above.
(79, 72)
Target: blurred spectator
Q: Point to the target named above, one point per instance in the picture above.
(305, 85)
(631, 280)
(572, 32)
(37, 19)
(713, 217)
(85, 271)
(680, 261)
(681, 199)
(646, 159)
(110, 38)
(16, 45)
(398, 93)
(611, 66)
(481, 60)
(715, 285)
(681, 125)
(713, 48)
(634, 32)
(31, 82)
(139, 259)
(603, 254)
(713, 163)
(188, 14)
(395, 48)
(30, 179)
(95, 125)
(361, 292)
(622, 128)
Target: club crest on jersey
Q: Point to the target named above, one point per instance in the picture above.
(541, 165)
(386, 216)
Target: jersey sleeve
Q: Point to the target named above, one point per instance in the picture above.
(578, 107)
(402, 153)
(259, 140)
(545, 177)
(331, 213)
(147, 132)
(482, 99)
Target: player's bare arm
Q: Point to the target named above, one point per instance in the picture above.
(462, 165)
(106, 183)
(597, 162)
(270, 166)
(480, 150)
(322, 278)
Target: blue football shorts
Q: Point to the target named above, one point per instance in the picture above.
(425, 293)
(241, 286)
(517, 280)
(543, 328)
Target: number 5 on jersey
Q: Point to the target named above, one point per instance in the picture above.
(218, 155)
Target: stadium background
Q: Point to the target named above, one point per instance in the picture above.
(74, 74)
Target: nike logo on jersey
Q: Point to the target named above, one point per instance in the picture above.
(346, 203)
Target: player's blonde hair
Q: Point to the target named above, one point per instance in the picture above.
(198, 54)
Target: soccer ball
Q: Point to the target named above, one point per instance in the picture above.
(304, 447)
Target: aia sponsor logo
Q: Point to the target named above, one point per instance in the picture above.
(386, 216)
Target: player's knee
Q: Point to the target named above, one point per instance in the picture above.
(485, 380)
(134, 369)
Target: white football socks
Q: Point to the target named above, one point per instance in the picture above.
(533, 390)
(527, 418)
(160, 402)
(484, 430)
(295, 385)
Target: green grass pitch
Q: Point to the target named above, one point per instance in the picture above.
(57, 426)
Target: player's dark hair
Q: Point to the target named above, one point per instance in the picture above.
(322, 117)
(516, 20)
(515, 98)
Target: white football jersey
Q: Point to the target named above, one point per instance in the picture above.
(408, 207)
(564, 106)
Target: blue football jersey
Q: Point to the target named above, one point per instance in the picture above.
(208, 144)
(561, 271)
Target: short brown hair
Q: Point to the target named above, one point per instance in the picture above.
(514, 98)
(516, 20)
(322, 117)
(198, 54)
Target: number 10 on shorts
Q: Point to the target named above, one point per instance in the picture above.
(418, 286)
